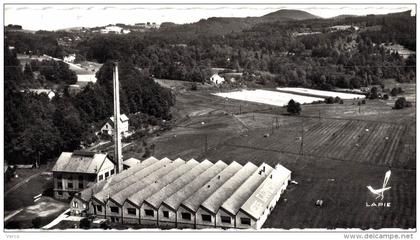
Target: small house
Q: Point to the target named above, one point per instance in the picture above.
(216, 79)
(109, 125)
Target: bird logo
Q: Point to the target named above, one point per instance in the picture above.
(380, 192)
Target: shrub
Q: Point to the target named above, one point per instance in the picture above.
(85, 223)
(401, 103)
(329, 100)
(293, 107)
(341, 101)
(337, 99)
(37, 222)
(194, 87)
(374, 93)
(363, 101)
(394, 92)
(385, 97)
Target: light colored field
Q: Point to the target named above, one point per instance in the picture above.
(320, 93)
(268, 97)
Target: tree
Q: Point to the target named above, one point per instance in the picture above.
(293, 107)
(394, 92)
(374, 93)
(329, 100)
(401, 103)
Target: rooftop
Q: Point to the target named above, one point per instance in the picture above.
(87, 193)
(156, 199)
(216, 200)
(175, 200)
(242, 194)
(139, 197)
(111, 190)
(195, 200)
(79, 162)
(124, 193)
(264, 194)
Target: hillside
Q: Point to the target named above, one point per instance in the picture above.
(286, 14)
(224, 25)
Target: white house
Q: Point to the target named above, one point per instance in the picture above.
(216, 79)
(112, 29)
(50, 93)
(70, 58)
(109, 125)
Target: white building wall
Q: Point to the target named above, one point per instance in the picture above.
(200, 223)
(130, 218)
(99, 212)
(167, 222)
(113, 216)
(221, 224)
(238, 224)
(146, 219)
(184, 223)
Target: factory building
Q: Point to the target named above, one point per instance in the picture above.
(187, 194)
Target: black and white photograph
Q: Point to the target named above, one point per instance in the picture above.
(209, 117)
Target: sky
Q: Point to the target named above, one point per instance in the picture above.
(54, 17)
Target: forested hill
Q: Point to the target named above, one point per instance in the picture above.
(224, 25)
(38, 127)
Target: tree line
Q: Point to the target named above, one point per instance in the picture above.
(39, 128)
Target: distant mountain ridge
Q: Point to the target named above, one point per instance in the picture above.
(226, 25)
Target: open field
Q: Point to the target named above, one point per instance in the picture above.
(268, 97)
(320, 93)
(340, 156)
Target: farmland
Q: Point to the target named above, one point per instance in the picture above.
(345, 148)
(320, 93)
(268, 97)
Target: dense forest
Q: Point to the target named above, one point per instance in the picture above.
(39, 128)
(270, 51)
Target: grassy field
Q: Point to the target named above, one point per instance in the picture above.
(344, 150)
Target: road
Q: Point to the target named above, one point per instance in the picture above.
(26, 180)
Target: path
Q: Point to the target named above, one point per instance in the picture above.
(26, 180)
(12, 214)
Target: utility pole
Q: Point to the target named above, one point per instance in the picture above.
(117, 131)
(301, 140)
(205, 143)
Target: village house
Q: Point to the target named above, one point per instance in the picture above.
(216, 79)
(50, 93)
(108, 127)
(76, 171)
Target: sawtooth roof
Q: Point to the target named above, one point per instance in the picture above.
(156, 199)
(139, 197)
(175, 200)
(215, 200)
(264, 194)
(195, 200)
(242, 194)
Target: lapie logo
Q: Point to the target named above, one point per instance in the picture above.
(379, 193)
